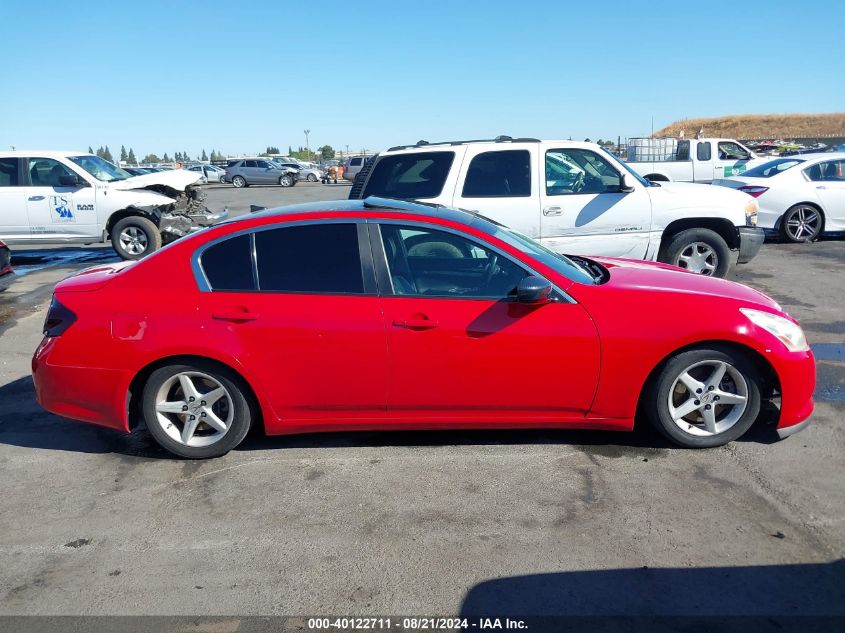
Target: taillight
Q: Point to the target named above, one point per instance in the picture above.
(59, 318)
(754, 190)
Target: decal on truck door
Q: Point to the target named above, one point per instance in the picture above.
(734, 170)
(60, 209)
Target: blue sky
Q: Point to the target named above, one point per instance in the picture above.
(237, 76)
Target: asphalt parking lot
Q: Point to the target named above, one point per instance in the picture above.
(93, 522)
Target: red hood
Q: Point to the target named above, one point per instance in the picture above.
(632, 274)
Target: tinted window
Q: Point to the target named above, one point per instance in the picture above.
(249, 163)
(579, 171)
(316, 258)
(504, 174)
(228, 265)
(832, 170)
(702, 151)
(772, 168)
(355, 162)
(683, 150)
(425, 262)
(410, 176)
(263, 164)
(9, 172)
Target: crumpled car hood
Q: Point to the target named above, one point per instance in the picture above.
(176, 179)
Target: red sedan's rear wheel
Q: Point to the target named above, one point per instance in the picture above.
(705, 397)
(196, 411)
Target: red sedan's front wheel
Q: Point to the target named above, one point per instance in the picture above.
(705, 397)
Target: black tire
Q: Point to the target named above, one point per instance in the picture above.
(311, 178)
(656, 405)
(133, 232)
(695, 242)
(810, 217)
(239, 182)
(286, 180)
(243, 410)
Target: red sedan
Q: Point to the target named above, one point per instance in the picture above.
(380, 314)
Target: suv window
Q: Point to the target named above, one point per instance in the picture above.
(732, 151)
(314, 258)
(46, 172)
(702, 151)
(263, 164)
(579, 171)
(9, 172)
(355, 162)
(410, 176)
(424, 262)
(228, 265)
(249, 163)
(504, 174)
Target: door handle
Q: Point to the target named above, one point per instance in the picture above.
(415, 324)
(234, 315)
(35, 198)
(552, 211)
(820, 187)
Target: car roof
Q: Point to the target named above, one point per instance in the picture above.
(373, 203)
(43, 152)
(423, 146)
(810, 156)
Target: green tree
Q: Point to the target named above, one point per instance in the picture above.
(290, 151)
(272, 150)
(123, 155)
(204, 156)
(100, 151)
(90, 150)
(107, 155)
(586, 140)
(326, 152)
(165, 158)
(151, 158)
(130, 158)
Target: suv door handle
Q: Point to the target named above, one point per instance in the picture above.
(817, 187)
(35, 198)
(415, 324)
(553, 211)
(234, 315)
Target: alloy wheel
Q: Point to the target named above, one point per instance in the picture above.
(238, 181)
(194, 409)
(802, 223)
(698, 257)
(708, 398)
(133, 240)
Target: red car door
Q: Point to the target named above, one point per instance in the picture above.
(460, 347)
(312, 334)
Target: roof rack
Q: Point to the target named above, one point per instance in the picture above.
(499, 139)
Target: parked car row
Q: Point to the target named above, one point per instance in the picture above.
(244, 172)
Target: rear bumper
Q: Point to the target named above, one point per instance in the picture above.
(81, 393)
(750, 240)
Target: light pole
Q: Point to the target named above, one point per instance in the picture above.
(307, 150)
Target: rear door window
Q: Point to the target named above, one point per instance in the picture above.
(228, 265)
(703, 151)
(9, 172)
(505, 174)
(313, 258)
(410, 176)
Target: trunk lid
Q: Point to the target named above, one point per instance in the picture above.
(92, 278)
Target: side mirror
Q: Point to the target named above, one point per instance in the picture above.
(533, 289)
(625, 185)
(66, 180)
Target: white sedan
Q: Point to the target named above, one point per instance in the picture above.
(801, 196)
(210, 173)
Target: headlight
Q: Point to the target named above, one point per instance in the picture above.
(751, 210)
(789, 333)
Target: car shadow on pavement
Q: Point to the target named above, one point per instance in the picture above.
(24, 423)
(666, 598)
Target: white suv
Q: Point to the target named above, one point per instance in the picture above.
(574, 198)
(73, 197)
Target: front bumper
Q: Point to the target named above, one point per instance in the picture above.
(786, 431)
(796, 372)
(6, 278)
(750, 240)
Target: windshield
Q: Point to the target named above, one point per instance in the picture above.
(772, 168)
(100, 169)
(557, 262)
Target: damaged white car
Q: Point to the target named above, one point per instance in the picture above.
(74, 197)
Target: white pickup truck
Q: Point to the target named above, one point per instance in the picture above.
(72, 197)
(574, 198)
(689, 160)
